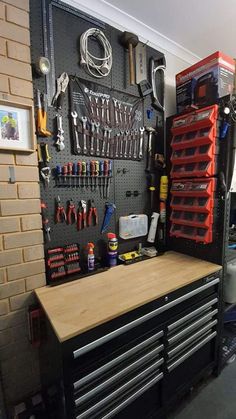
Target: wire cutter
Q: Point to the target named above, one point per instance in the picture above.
(82, 215)
(71, 213)
(92, 214)
(60, 211)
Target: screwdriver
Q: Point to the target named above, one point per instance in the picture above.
(92, 168)
(64, 172)
(87, 173)
(109, 177)
(96, 173)
(83, 173)
(101, 172)
(74, 172)
(70, 166)
(79, 171)
(59, 174)
(106, 165)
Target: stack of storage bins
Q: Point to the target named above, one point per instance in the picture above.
(194, 165)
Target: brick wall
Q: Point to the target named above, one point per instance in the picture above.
(21, 238)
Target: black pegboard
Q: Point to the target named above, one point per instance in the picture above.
(68, 24)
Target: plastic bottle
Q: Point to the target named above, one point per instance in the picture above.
(91, 258)
(112, 249)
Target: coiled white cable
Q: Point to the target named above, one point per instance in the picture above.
(96, 66)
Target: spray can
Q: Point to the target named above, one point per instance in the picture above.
(91, 258)
(112, 250)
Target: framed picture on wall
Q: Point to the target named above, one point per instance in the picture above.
(16, 127)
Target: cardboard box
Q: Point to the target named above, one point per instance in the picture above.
(205, 82)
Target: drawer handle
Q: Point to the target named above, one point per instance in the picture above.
(117, 332)
(191, 338)
(133, 397)
(119, 359)
(192, 314)
(117, 392)
(119, 375)
(192, 326)
(191, 352)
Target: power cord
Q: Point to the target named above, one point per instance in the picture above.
(96, 66)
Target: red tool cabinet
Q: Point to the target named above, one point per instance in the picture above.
(194, 163)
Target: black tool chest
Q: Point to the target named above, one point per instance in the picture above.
(138, 364)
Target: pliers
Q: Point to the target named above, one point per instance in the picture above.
(71, 213)
(60, 212)
(82, 215)
(92, 213)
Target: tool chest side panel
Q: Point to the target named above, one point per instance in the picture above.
(68, 24)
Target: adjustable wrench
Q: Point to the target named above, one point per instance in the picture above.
(121, 142)
(97, 126)
(77, 145)
(140, 153)
(116, 111)
(150, 131)
(126, 144)
(84, 122)
(135, 143)
(92, 138)
(108, 142)
(60, 134)
(117, 145)
(104, 141)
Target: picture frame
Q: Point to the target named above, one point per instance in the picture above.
(16, 127)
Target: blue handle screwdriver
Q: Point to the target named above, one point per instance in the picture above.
(75, 173)
(59, 174)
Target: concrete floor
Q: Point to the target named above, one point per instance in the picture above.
(215, 399)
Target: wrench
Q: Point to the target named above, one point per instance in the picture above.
(121, 142)
(91, 105)
(60, 134)
(140, 154)
(97, 110)
(84, 122)
(129, 116)
(125, 116)
(103, 109)
(104, 141)
(108, 142)
(92, 137)
(77, 145)
(97, 126)
(130, 144)
(120, 112)
(117, 145)
(126, 144)
(108, 111)
(135, 143)
(116, 112)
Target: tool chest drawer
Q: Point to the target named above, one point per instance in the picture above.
(194, 144)
(108, 380)
(191, 343)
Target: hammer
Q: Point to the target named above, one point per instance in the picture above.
(130, 40)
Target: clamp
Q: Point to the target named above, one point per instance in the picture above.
(71, 212)
(60, 211)
(92, 213)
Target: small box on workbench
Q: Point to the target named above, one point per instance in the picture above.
(205, 82)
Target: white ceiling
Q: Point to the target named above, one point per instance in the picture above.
(202, 26)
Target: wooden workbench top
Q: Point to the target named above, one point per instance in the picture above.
(78, 306)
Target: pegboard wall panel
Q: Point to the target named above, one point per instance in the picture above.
(68, 24)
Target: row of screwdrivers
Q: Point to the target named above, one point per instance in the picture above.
(92, 174)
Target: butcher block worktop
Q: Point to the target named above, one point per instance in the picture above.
(78, 306)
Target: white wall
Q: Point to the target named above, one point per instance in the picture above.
(177, 57)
